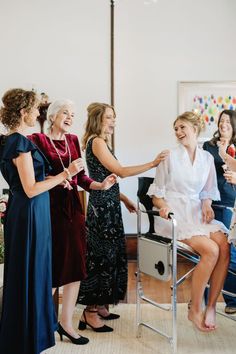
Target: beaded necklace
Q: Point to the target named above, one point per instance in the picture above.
(67, 149)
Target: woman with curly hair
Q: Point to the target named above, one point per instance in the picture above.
(28, 321)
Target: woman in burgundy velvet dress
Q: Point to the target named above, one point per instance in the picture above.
(68, 220)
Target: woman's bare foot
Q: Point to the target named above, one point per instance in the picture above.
(210, 318)
(198, 320)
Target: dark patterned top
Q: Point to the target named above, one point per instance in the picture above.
(106, 257)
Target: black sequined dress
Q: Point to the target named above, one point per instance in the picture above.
(106, 248)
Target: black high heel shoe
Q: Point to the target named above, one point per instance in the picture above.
(84, 324)
(111, 316)
(79, 341)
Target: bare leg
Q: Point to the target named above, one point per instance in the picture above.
(70, 293)
(209, 252)
(217, 278)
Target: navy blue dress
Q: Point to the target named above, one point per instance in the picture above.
(28, 319)
(222, 213)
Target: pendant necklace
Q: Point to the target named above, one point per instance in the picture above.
(67, 149)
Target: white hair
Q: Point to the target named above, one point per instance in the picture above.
(55, 107)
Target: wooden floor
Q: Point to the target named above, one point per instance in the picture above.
(155, 289)
(158, 290)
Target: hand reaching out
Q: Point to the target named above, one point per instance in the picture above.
(76, 166)
(108, 182)
(160, 157)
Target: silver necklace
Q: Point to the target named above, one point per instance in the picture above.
(67, 149)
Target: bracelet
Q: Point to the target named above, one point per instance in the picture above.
(69, 178)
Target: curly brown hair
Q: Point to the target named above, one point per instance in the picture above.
(14, 101)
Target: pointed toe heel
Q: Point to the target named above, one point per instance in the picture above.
(84, 324)
(79, 341)
(111, 316)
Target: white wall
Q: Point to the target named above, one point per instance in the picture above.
(62, 48)
(158, 45)
(58, 47)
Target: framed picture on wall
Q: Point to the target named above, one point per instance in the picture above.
(207, 99)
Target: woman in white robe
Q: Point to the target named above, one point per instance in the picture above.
(186, 184)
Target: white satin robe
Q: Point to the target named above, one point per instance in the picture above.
(184, 185)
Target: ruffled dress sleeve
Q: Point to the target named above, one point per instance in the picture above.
(158, 187)
(210, 190)
(15, 144)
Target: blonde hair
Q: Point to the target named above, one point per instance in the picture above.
(93, 125)
(14, 101)
(194, 119)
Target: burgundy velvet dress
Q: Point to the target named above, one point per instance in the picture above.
(68, 220)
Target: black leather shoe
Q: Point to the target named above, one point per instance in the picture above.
(84, 324)
(79, 341)
(111, 316)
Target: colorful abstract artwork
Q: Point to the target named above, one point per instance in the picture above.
(207, 99)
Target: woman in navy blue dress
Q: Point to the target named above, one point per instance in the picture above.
(223, 208)
(28, 321)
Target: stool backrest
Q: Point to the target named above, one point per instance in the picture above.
(143, 186)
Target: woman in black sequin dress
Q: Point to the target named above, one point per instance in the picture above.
(106, 249)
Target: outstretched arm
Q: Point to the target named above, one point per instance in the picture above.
(106, 158)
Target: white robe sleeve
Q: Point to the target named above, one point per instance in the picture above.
(157, 188)
(210, 190)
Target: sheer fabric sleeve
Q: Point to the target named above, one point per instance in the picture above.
(210, 190)
(158, 187)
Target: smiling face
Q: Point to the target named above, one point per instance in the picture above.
(63, 120)
(108, 121)
(185, 132)
(225, 127)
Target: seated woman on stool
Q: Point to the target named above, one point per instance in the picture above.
(186, 184)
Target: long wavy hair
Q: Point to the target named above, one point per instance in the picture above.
(232, 118)
(93, 125)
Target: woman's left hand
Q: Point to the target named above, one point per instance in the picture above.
(207, 211)
(230, 176)
(132, 208)
(108, 182)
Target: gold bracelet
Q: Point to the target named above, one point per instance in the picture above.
(69, 178)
